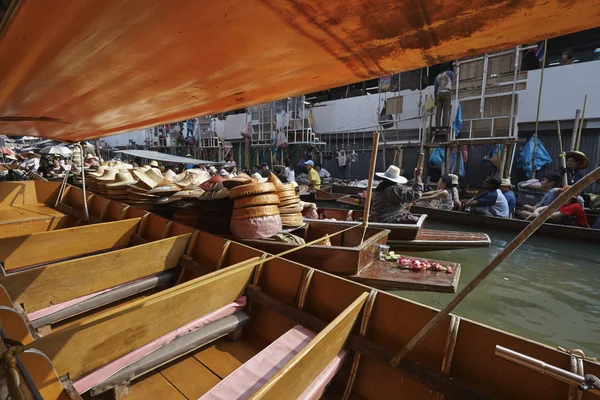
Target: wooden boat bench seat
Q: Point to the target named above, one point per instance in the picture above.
(65, 310)
(28, 212)
(181, 341)
(252, 375)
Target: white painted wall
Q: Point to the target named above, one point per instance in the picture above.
(562, 92)
(123, 139)
(231, 127)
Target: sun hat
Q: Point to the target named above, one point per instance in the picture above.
(258, 177)
(109, 174)
(89, 157)
(238, 180)
(310, 162)
(454, 179)
(170, 175)
(154, 163)
(212, 169)
(223, 172)
(148, 179)
(583, 161)
(392, 174)
(505, 182)
(10, 157)
(122, 179)
(98, 173)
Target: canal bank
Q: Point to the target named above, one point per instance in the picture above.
(546, 291)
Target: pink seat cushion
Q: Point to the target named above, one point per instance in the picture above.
(61, 306)
(87, 382)
(251, 376)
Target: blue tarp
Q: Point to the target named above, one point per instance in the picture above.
(526, 160)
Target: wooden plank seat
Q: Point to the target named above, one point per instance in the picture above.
(68, 309)
(17, 252)
(165, 349)
(257, 371)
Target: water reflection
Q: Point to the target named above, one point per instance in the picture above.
(546, 291)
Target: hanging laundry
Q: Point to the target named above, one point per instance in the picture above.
(458, 121)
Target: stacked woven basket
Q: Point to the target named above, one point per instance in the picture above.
(290, 206)
(255, 211)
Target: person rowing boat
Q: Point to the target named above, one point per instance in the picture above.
(391, 197)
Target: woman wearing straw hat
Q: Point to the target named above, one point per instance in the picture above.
(391, 197)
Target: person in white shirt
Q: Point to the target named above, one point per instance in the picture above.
(288, 172)
(323, 173)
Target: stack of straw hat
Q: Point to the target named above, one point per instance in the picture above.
(255, 211)
(290, 206)
(210, 212)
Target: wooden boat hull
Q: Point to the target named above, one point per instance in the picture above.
(354, 258)
(282, 293)
(513, 225)
(408, 237)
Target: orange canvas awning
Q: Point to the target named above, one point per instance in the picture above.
(75, 70)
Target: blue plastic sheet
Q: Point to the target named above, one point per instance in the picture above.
(528, 162)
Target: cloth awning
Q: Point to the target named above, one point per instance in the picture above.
(155, 155)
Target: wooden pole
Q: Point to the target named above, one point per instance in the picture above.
(507, 251)
(537, 116)
(374, 148)
(247, 153)
(581, 123)
(561, 154)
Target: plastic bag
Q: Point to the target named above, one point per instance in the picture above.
(437, 157)
(282, 142)
(247, 131)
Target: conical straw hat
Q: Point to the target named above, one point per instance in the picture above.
(123, 179)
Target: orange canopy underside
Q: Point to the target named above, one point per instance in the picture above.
(75, 70)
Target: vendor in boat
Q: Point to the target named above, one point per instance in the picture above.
(442, 198)
(576, 162)
(509, 195)
(492, 202)
(391, 197)
(571, 213)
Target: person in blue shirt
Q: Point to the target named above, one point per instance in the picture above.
(491, 203)
(509, 195)
(551, 183)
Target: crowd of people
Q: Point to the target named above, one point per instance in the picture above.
(392, 198)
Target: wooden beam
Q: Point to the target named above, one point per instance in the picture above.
(298, 373)
(37, 248)
(42, 287)
(84, 347)
(33, 225)
(412, 369)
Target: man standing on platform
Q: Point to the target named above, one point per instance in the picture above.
(443, 97)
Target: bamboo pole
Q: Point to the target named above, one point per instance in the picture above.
(581, 123)
(561, 154)
(370, 184)
(537, 115)
(507, 251)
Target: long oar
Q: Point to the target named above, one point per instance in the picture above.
(561, 154)
(370, 184)
(507, 251)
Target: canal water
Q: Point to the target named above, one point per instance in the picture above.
(548, 290)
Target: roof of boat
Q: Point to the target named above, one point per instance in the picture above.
(81, 70)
